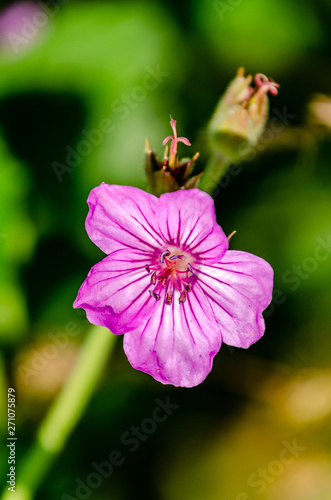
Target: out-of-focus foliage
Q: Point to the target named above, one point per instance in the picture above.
(78, 98)
(101, 54)
(17, 240)
(255, 33)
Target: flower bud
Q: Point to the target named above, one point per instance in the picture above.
(319, 111)
(170, 174)
(241, 115)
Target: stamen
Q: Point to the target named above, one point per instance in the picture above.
(170, 274)
(153, 278)
(176, 284)
(162, 279)
(169, 299)
(232, 234)
(155, 295)
(164, 254)
(182, 297)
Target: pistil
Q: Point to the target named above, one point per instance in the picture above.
(174, 141)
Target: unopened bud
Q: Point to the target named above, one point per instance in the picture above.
(241, 114)
(319, 111)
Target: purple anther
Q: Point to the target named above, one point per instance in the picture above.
(169, 299)
(156, 296)
(164, 254)
(153, 278)
(189, 272)
(174, 257)
(182, 297)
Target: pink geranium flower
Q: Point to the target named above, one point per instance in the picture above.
(169, 282)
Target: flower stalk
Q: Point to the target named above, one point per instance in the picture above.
(64, 413)
(214, 171)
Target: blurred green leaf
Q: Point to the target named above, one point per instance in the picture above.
(262, 36)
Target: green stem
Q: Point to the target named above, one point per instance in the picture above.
(214, 171)
(63, 414)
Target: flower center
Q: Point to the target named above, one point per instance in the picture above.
(173, 271)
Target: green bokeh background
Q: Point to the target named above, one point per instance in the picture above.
(83, 67)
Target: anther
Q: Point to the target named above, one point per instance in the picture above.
(153, 278)
(147, 269)
(164, 254)
(162, 279)
(189, 272)
(155, 295)
(182, 297)
(169, 299)
(174, 257)
(189, 286)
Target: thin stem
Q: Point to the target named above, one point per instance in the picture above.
(63, 414)
(214, 171)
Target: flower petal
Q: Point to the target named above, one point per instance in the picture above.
(122, 216)
(177, 345)
(239, 288)
(186, 219)
(115, 292)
